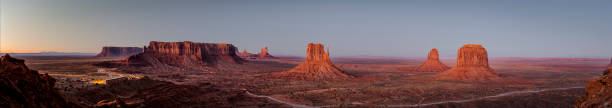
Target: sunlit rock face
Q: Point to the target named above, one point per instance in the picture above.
(264, 53)
(472, 64)
(598, 93)
(317, 66)
(186, 54)
(110, 51)
(432, 64)
(21, 87)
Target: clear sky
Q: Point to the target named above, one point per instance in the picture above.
(400, 28)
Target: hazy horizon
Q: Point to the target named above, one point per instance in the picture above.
(519, 28)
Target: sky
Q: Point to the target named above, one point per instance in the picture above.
(397, 28)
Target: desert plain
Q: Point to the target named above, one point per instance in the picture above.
(376, 82)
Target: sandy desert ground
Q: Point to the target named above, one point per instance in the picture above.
(378, 81)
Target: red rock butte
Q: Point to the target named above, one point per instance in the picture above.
(433, 63)
(317, 66)
(110, 51)
(186, 54)
(472, 64)
(264, 53)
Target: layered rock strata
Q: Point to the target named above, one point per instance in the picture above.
(185, 54)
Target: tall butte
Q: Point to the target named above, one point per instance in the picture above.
(472, 64)
(317, 66)
(185, 54)
(264, 53)
(433, 63)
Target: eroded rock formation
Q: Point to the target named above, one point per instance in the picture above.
(264, 53)
(317, 66)
(433, 63)
(598, 93)
(185, 54)
(472, 64)
(247, 55)
(110, 51)
(21, 87)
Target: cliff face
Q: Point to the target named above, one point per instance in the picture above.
(472, 64)
(185, 54)
(24, 88)
(598, 92)
(264, 53)
(433, 63)
(317, 66)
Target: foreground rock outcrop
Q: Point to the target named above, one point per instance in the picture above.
(598, 92)
(21, 87)
(432, 64)
(110, 51)
(317, 66)
(264, 53)
(151, 93)
(185, 54)
(472, 64)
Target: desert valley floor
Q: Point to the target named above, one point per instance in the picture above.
(377, 82)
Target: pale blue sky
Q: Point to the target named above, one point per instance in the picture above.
(400, 28)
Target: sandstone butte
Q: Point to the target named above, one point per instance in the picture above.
(185, 54)
(25, 88)
(598, 92)
(110, 51)
(317, 66)
(245, 54)
(264, 53)
(432, 64)
(472, 64)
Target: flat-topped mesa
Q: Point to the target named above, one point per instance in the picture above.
(472, 64)
(433, 63)
(21, 87)
(186, 54)
(598, 92)
(111, 51)
(264, 53)
(317, 66)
